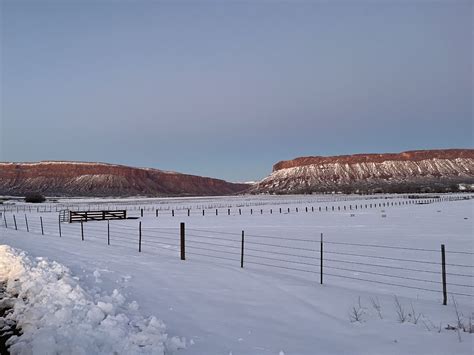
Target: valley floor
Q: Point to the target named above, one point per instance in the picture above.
(212, 306)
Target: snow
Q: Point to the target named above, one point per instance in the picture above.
(57, 316)
(220, 308)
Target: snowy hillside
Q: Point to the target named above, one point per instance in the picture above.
(390, 173)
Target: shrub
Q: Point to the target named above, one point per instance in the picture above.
(34, 197)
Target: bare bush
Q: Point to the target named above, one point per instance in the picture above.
(414, 317)
(357, 312)
(402, 316)
(376, 305)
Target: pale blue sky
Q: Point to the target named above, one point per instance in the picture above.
(228, 89)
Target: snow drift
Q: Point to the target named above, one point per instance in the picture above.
(57, 316)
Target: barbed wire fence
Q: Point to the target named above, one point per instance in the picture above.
(329, 203)
(324, 259)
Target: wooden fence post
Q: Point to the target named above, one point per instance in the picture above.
(182, 240)
(26, 223)
(41, 221)
(443, 271)
(242, 251)
(321, 260)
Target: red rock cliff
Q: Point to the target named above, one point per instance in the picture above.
(98, 179)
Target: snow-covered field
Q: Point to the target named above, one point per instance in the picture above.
(274, 304)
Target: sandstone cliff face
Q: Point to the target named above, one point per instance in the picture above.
(98, 179)
(428, 170)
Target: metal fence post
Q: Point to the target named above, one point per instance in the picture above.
(26, 223)
(108, 232)
(59, 225)
(41, 221)
(140, 237)
(14, 220)
(182, 241)
(242, 252)
(82, 231)
(443, 271)
(321, 260)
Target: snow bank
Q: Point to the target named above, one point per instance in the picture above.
(57, 316)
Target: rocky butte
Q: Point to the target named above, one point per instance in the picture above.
(411, 171)
(54, 178)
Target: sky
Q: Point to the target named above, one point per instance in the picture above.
(226, 89)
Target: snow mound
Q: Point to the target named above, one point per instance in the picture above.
(57, 316)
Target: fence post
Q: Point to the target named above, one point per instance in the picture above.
(5, 219)
(242, 252)
(228, 211)
(203, 212)
(82, 231)
(14, 220)
(141, 212)
(188, 212)
(41, 221)
(172, 213)
(108, 232)
(321, 259)
(443, 270)
(182, 241)
(140, 237)
(156, 212)
(26, 222)
(217, 212)
(59, 225)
